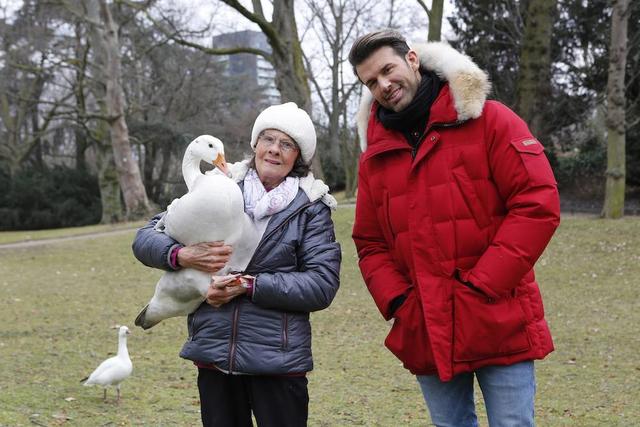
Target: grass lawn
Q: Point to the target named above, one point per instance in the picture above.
(60, 302)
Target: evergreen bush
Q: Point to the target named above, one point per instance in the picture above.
(49, 198)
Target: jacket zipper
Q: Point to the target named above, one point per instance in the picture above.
(234, 324)
(280, 226)
(414, 149)
(234, 333)
(285, 327)
(193, 326)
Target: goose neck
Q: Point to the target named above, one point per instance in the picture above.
(190, 168)
(122, 347)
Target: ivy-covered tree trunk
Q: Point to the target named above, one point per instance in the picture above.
(133, 191)
(109, 184)
(616, 171)
(533, 86)
(100, 161)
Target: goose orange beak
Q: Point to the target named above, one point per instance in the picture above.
(221, 164)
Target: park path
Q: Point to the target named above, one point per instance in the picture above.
(54, 240)
(98, 234)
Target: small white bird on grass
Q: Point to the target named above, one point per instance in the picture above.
(115, 369)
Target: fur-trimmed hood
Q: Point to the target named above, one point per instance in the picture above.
(315, 189)
(469, 85)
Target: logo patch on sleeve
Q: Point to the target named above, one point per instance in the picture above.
(528, 142)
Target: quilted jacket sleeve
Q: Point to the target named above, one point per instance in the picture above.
(153, 248)
(526, 183)
(315, 285)
(381, 275)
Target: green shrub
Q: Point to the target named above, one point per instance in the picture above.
(49, 198)
(582, 174)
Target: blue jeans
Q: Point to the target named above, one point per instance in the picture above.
(508, 393)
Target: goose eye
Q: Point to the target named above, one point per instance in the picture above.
(210, 145)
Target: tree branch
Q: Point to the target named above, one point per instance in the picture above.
(425, 7)
(177, 38)
(259, 19)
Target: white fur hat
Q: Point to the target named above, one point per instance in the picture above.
(293, 121)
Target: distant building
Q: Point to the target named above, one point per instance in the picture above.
(255, 67)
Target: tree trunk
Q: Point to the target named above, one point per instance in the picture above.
(533, 86)
(134, 194)
(110, 195)
(616, 170)
(96, 156)
(81, 140)
(435, 20)
(435, 17)
(350, 156)
(291, 74)
(100, 161)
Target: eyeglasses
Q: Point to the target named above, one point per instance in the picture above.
(284, 144)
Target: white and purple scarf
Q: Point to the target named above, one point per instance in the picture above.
(260, 203)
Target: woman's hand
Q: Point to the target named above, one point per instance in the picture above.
(208, 257)
(223, 289)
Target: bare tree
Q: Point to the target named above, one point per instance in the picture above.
(28, 105)
(337, 23)
(616, 174)
(281, 31)
(435, 18)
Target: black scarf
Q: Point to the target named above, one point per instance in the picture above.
(413, 119)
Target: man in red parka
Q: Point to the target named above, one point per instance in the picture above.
(456, 202)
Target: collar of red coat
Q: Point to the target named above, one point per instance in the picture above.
(443, 111)
(461, 99)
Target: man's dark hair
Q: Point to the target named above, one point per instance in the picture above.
(365, 45)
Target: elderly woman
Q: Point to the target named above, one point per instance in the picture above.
(251, 338)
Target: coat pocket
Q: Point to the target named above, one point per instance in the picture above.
(486, 328)
(535, 162)
(408, 339)
(385, 220)
(470, 197)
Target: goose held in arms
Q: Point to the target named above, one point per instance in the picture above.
(212, 210)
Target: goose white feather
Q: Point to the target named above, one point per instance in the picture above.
(115, 369)
(212, 210)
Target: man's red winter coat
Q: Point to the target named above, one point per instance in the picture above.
(477, 204)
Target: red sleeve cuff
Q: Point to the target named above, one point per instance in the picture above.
(173, 260)
(248, 285)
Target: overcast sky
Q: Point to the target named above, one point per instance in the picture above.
(203, 9)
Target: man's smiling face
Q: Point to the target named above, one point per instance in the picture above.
(392, 79)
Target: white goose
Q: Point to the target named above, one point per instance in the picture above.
(115, 369)
(212, 210)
